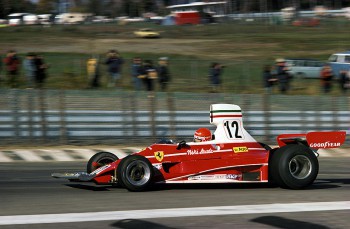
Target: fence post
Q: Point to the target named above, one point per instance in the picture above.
(15, 115)
(43, 107)
(30, 100)
(133, 106)
(335, 112)
(317, 120)
(172, 110)
(266, 104)
(62, 109)
(124, 113)
(152, 100)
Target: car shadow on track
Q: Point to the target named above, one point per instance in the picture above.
(318, 184)
(88, 187)
(329, 183)
(213, 186)
(135, 223)
(280, 222)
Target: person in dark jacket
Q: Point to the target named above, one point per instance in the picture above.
(136, 72)
(163, 73)
(344, 80)
(282, 75)
(149, 74)
(215, 72)
(114, 63)
(40, 70)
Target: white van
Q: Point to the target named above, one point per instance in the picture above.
(72, 18)
(304, 68)
(339, 61)
(22, 19)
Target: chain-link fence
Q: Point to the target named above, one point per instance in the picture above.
(186, 75)
(56, 117)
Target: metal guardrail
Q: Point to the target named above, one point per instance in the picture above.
(96, 117)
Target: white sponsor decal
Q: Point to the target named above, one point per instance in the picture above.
(196, 152)
(216, 177)
(233, 176)
(158, 166)
(325, 144)
(97, 171)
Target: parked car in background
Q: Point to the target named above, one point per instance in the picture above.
(22, 19)
(147, 33)
(339, 61)
(304, 68)
(73, 18)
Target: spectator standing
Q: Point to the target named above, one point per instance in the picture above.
(1, 79)
(344, 80)
(268, 80)
(114, 63)
(40, 71)
(136, 67)
(149, 74)
(326, 78)
(12, 63)
(163, 73)
(282, 75)
(30, 70)
(91, 66)
(215, 72)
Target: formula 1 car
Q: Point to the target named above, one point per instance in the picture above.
(232, 156)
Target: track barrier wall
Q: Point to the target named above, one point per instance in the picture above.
(84, 117)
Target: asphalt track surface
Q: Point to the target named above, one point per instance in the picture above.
(26, 188)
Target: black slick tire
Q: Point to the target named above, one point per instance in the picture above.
(293, 166)
(100, 159)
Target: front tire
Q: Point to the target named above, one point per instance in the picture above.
(293, 166)
(135, 173)
(100, 159)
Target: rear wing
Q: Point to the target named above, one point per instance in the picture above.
(315, 140)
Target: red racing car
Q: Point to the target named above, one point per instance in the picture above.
(231, 156)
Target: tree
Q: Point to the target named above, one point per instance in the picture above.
(19, 6)
(46, 6)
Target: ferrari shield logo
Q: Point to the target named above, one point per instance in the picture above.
(159, 155)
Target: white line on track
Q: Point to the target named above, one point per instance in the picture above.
(174, 212)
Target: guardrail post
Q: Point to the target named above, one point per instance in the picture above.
(30, 99)
(171, 108)
(133, 106)
(152, 100)
(15, 112)
(317, 120)
(43, 108)
(266, 104)
(62, 109)
(335, 112)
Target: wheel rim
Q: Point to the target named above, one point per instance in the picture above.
(138, 173)
(300, 167)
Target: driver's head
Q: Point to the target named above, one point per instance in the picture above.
(202, 135)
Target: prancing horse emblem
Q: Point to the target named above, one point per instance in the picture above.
(159, 155)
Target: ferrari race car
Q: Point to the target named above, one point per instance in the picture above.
(232, 155)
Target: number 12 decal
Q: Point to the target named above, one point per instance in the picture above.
(233, 129)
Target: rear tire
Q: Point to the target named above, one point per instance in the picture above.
(293, 166)
(100, 159)
(135, 173)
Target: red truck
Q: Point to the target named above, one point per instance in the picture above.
(187, 18)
